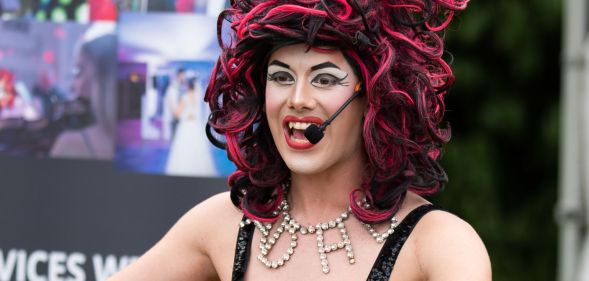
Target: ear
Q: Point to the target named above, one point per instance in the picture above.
(358, 87)
(364, 99)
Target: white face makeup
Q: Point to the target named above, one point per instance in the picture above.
(307, 87)
(323, 75)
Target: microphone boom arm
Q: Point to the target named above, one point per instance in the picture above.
(314, 133)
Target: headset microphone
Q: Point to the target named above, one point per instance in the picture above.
(314, 133)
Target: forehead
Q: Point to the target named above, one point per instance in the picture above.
(299, 56)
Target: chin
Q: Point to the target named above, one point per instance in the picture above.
(306, 166)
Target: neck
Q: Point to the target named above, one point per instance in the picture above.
(323, 196)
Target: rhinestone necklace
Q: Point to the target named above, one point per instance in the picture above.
(292, 227)
(381, 237)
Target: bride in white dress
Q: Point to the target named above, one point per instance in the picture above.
(190, 152)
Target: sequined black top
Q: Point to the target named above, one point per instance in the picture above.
(382, 268)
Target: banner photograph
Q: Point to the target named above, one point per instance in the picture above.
(210, 8)
(161, 116)
(50, 10)
(54, 89)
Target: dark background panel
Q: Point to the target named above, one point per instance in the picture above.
(89, 206)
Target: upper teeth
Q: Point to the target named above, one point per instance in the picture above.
(298, 125)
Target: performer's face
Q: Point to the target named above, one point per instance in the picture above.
(305, 87)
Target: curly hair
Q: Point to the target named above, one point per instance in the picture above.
(395, 48)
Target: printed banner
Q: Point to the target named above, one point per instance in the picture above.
(165, 61)
(42, 265)
(57, 89)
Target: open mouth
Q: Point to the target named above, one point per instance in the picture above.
(295, 131)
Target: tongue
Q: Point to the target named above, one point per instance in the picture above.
(298, 134)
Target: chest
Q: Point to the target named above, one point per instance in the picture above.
(308, 261)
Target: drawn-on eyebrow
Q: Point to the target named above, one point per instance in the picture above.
(324, 65)
(279, 63)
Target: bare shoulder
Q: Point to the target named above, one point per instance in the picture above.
(214, 208)
(191, 250)
(448, 248)
(215, 221)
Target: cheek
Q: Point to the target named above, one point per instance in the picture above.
(349, 122)
(331, 103)
(272, 104)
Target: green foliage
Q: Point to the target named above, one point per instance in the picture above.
(504, 110)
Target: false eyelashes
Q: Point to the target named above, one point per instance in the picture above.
(321, 80)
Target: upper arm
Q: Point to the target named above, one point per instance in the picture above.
(448, 248)
(183, 253)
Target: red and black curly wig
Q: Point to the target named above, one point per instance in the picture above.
(396, 48)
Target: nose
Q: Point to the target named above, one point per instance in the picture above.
(301, 97)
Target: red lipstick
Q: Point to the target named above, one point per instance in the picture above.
(296, 140)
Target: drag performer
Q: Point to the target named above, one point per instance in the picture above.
(332, 112)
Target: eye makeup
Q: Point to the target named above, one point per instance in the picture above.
(326, 77)
(280, 74)
(321, 75)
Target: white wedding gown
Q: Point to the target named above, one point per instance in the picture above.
(190, 152)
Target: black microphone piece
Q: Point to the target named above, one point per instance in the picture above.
(314, 133)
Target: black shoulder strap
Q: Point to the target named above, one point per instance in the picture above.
(242, 249)
(383, 266)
